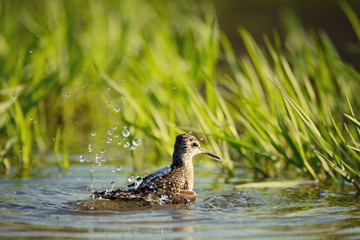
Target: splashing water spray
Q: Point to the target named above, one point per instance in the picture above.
(99, 158)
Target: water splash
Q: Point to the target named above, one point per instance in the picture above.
(131, 179)
(90, 148)
(108, 140)
(125, 132)
(82, 158)
(91, 176)
(112, 186)
(110, 131)
(136, 142)
(98, 160)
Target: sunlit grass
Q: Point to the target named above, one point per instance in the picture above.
(293, 105)
(288, 109)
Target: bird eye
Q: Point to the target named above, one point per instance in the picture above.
(194, 144)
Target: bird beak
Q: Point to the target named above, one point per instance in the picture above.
(209, 154)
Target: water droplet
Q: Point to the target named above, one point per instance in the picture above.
(34, 121)
(126, 144)
(174, 88)
(132, 148)
(131, 179)
(93, 133)
(31, 118)
(31, 51)
(110, 131)
(117, 109)
(108, 140)
(136, 142)
(98, 160)
(90, 148)
(82, 158)
(103, 150)
(125, 132)
(114, 128)
(116, 135)
(118, 168)
(119, 142)
(67, 94)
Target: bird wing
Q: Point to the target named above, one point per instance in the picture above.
(136, 189)
(161, 172)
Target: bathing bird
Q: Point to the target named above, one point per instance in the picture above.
(168, 185)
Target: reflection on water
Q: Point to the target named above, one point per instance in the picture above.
(59, 206)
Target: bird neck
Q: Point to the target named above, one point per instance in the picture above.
(181, 160)
(183, 163)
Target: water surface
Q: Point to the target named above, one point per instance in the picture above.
(47, 206)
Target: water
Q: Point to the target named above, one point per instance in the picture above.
(47, 205)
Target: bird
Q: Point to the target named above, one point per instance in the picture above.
(167, 185)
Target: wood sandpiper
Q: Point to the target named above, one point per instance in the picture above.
(168, 185)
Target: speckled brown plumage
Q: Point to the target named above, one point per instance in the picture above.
(171, 184)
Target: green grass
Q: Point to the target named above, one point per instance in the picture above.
(287, 109)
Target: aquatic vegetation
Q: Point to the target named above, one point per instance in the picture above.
(293, 102)
(69, 70)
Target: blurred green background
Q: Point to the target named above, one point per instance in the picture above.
(261, 90)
